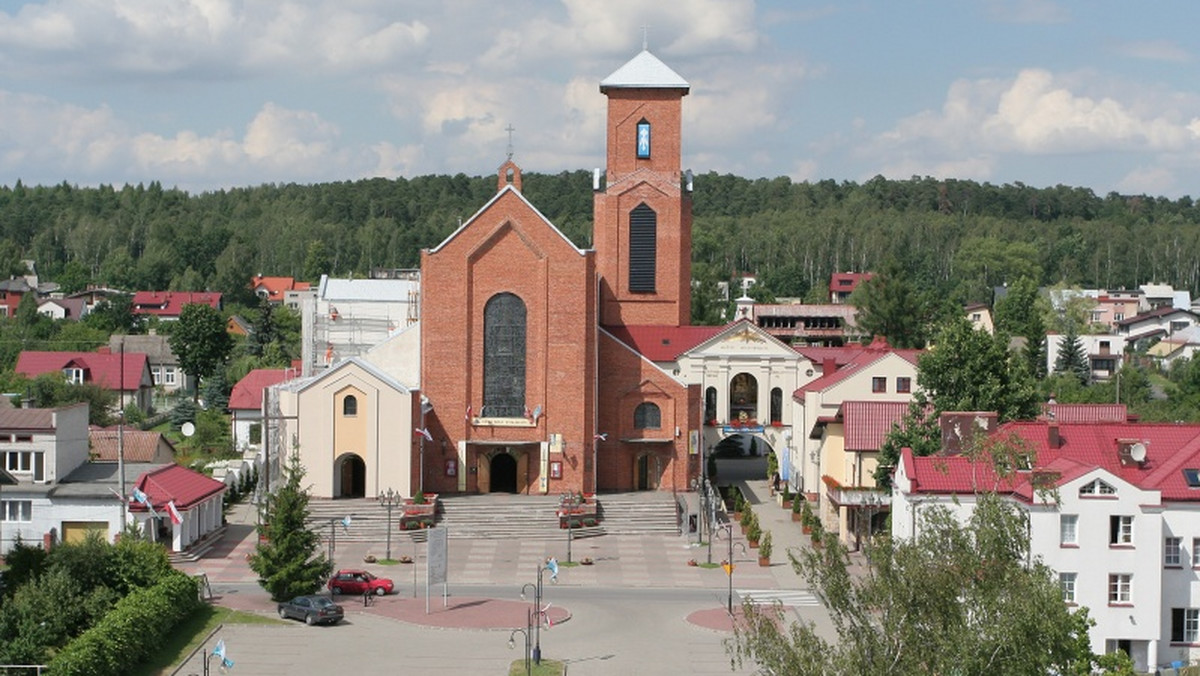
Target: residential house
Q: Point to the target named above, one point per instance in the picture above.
(1104, 353)
(842, 284)
(182, 506)
(1157, 324)
(11, 293)
(63, 308)
(877, 372)
(1113, 307)
(236, 326)
(167, 305)
(849, 454)
(802, 324)
(279, 290)
(127, 375)
(1182, 344)
(95, 295)
(980, 316)
(246, 406)
(165, 371)
(1113, 508)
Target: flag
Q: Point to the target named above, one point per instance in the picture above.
(468, 414)
(537, 412)
(140, 496)
(425, 433)
(600, 437)
(176, 517)
(527, 413)
(219, 651)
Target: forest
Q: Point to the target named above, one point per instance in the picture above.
(957, 239)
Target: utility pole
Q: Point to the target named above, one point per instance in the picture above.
(121, 436)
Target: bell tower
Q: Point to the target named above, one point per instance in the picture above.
(643, 216)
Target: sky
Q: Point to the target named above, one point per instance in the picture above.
(213, 94)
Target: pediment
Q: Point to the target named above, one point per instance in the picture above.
(742, 339)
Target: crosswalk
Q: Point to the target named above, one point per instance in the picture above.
(792, 598)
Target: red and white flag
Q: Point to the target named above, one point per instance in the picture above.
(468, 414)
(176, 517)
(425, 433)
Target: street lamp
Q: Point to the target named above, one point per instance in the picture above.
(512, 643)
(729, 562)
(389, 499)
(537, 612)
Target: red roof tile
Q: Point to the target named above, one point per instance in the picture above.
(276, 287)
(869, 422)
(1078, 413)
(99, 368)
(174, 482)
(170, 303)
(247, 393)
(660, 342)
(856, 359)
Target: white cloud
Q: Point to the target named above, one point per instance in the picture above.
(1028, 11)
(1155, 50)
(1148, 180)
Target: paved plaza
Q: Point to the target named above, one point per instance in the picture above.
(640, 608)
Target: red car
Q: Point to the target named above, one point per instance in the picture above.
(359, 582)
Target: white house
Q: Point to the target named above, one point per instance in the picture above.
(1104, 353)
(1114, 509)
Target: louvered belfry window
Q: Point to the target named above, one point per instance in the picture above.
(643, 249)
(504, 357)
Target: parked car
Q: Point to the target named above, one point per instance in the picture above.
(359, 582)
(312, 609)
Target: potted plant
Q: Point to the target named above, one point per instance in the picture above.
(738, 504)
(753, 533)
(788, 498)
(746, 518)
(764, 549)
(806, 518)
(798, 508)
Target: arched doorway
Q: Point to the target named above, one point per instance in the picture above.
(352, 477)
(502, 472)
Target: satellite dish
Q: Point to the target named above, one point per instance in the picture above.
(188, 429)
(1137, 452)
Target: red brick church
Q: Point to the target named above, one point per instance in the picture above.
(527, 388)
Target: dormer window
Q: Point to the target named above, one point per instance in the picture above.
(74, 375)
(643, 139)
(1096, 487)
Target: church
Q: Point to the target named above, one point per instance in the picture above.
(514, 378)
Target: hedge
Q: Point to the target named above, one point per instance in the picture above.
(132, 631)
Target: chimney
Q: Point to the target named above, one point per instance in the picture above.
(828, 366)
(1053, 439)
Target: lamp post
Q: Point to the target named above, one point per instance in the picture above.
(729, 562)
(389, 499)
(512, 643)
(537, 612)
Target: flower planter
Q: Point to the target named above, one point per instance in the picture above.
(753, 544)
(807, 530)
(787, 504)
(764, 561)
(585, 562)
(796, 516)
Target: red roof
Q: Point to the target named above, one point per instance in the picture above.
(174, 482)
(99, 368)
(276, 287)
(1170, 448)
(847, 281)
(1080, 413)
(867, 423)
(660, 342)
(247, 393)
(855, 359)
(170, 303)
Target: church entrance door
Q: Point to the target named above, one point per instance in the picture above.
(503, 474)
(352, 477)
(646, 472)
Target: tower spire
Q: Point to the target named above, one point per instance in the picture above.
(510, 131)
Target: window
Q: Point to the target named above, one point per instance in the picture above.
(1196, 552)
(1068, 529)
(170, 375)
(256, 433)
(1172, 551)
(1120, 530)
(1185, 625)
(156, 374)
(350, 405)
(743, 399)
(74, 375)
(710, 404)
(1120, 588)
(1118, 316)
(643, 249)
(1066, 581)
(504, 357)
(643, 139)
(776, 405)
(647, 416)
(1097, 487)
(878, 384)
(16, 510)
(904, 385)
(19, 461)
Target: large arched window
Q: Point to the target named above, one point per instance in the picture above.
(350, 405)
(710, 404)
(743, 398)
(776, 405)
(647, 416)
(504, 357)
(643, 249)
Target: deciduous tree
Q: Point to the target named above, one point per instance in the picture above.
(200, 341)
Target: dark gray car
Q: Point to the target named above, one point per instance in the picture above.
(312, 609)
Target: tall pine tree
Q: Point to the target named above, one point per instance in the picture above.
(289, 563)
(1071, 356)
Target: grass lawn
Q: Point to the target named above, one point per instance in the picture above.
(546, 668)
(189, 634)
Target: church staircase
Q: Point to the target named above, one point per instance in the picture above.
(498, 515)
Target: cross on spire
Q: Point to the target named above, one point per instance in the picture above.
(510, 131)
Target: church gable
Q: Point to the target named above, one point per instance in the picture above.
(509, 207)
(743, 338)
